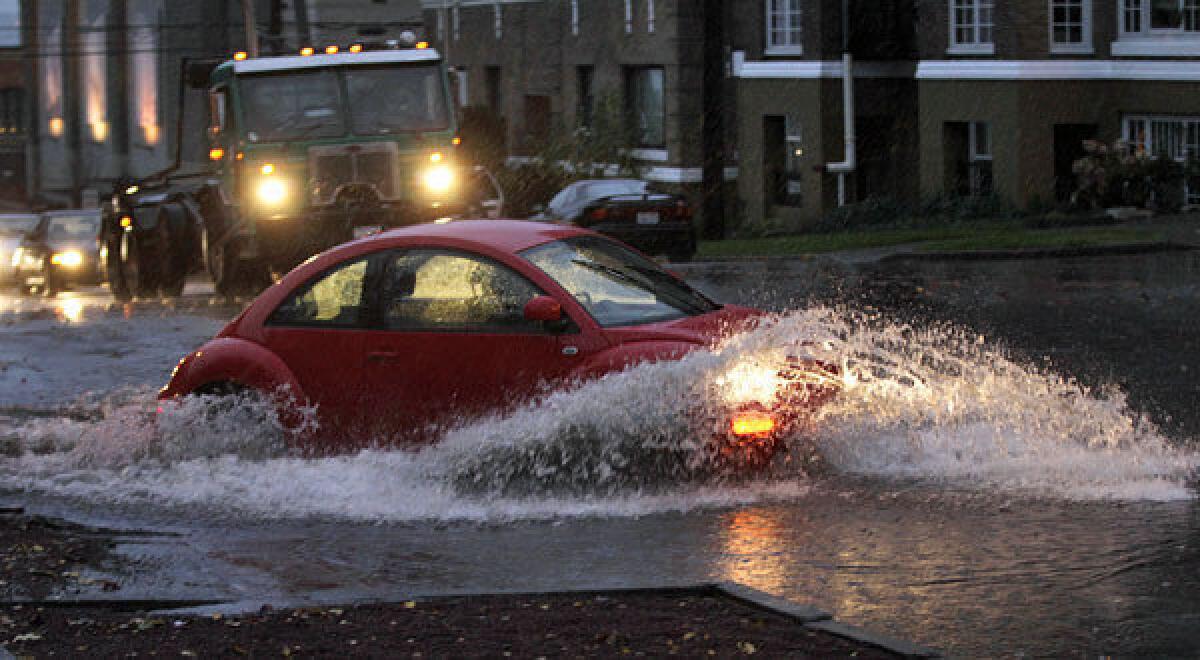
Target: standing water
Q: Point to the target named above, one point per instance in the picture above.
(962, 492)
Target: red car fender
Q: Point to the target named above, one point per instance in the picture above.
(235, 361)
(623, 356)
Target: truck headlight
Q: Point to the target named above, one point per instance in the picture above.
(439, 179)
(272, 191)
(69, 258)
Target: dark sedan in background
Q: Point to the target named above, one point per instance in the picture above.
(59, 253)
(629, 210)
(13, 228)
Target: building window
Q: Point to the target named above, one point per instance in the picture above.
(455, 21)
(94, 72)
(587, 101)
(628, 16)
(1167, 137)
(650, 16)
(972, 23)
(143, 71)
(1160, 16)
(498, 14)
(52, 69)
(980, 157)
(10, 18)
(575, 17)
(784, 27)
(12, 111)
(1070, 26)
(646, 105)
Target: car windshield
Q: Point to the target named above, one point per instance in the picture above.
(610, 188)
(292, 106)
(396, 99)
(73, 228)
(614, 284)
(16, 225)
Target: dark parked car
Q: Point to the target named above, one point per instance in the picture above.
(629, 210)
(60, 252)
(13, 228)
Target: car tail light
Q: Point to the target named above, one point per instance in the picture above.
(597, 215)
(752, 423)
(682, 210)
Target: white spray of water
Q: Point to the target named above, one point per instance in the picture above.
(931, 404)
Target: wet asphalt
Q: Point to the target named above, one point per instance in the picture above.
(964, 571)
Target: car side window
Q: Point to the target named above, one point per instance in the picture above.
(334, 299)
(439, 291)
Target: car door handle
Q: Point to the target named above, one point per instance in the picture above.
(383, 356)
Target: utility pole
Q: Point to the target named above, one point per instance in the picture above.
(30, 20)
(248, 18)
(72, 46)
(713, 108)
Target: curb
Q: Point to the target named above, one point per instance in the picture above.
(903, 253)
(1042, 253)
(804, 615)
(816, 619)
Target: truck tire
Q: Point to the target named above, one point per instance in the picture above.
(233, 277)
(137, 266)
(175, 249)
(112, 269)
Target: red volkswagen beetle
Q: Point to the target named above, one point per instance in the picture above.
(426, 327)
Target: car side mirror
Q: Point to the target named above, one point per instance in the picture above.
(543, 309)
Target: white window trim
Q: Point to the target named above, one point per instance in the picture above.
(1126, 134)
(1149, 42)
(976, 48)
(455, 22)
(498, 12)
(575, 17)
(650, 16)
(1084, 47)
(777, 49)
(1148, 32)
(628, 16)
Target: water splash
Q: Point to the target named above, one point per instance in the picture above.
(934, 404)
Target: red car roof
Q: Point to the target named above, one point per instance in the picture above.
(508, 235)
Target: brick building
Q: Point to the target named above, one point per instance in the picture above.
(547, 65)
(14, 102)
(956, 97)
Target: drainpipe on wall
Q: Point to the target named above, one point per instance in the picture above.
(850, 162)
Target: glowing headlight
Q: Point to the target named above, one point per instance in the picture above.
(748, 382)
(272, 191)
(439, 179)
(68, 258)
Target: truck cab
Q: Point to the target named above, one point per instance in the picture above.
(306, 151)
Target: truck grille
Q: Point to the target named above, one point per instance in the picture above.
(336, 167)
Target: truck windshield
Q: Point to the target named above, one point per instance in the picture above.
(396, 99)
(292, 106)
(300, 105)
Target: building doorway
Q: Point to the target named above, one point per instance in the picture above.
(1068, 148)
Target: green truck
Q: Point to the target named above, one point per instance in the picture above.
(306, 151)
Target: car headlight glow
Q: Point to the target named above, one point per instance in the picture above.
(272, 191)
(66, 258)
(439, 179)
(748, 382)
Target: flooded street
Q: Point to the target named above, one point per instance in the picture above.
(1011, 469)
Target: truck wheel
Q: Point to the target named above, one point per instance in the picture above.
(50, 285)
(231, 276)
(137, 264)
(112, 270)
(174, 250)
